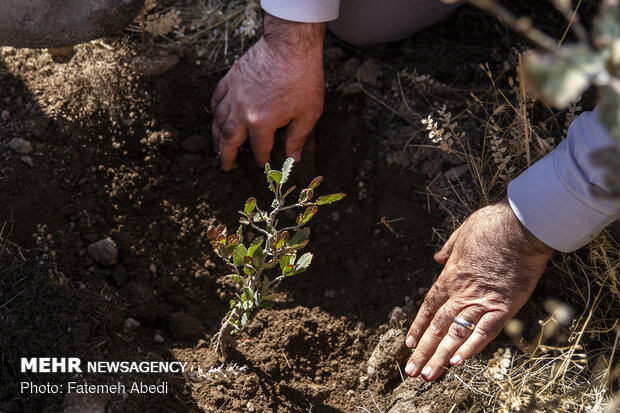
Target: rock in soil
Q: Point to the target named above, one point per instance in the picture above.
(130, 324)
(390, 351)
(183, 325)
(104, 252)
(27, 160)
(21, 146)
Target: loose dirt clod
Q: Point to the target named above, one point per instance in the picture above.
(19, 145)
(390, 351)
(104, 252)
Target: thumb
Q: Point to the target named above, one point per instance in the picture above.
(444, 253)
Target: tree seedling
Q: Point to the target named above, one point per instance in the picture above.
(261, 265)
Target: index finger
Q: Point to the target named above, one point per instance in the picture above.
(432, 302)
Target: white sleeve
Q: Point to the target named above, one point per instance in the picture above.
(554, 198)
(303, 11)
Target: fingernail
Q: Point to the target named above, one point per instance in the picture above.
(426, 372)
(410, 368)
(456, 360)
(410, 342)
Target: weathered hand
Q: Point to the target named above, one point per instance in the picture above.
(278, 82)
(492, 264)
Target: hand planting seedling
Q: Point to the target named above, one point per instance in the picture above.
(273, 249)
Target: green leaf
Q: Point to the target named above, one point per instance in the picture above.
(250, 204)
(239, 255)
(232, 303)
(306, 195)
(275, 175)
(328, 199)
(236, 278)
(287, 259)
(287, 167)
(255, 251)
(307, 215)
(244, 319)
(561, 78)
(248, 270)
(274, 203)
(302, 264)
(300, 239)
(315, 182)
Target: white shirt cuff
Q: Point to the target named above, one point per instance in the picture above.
(303, 11)
(553, 198)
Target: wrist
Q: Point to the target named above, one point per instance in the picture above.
(532, 241)
(293, 37)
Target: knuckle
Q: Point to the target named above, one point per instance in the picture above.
(458, 333)
(228, 129)
(490, 329)
(436, 330)
(426, 310)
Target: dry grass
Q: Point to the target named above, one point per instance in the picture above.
(218, 30)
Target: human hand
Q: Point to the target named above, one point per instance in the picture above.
(491, 266)
(279, 81)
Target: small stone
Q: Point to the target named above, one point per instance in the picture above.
(130, 324)
(350, 393)
(335, 216)
(175, 278)
(104, 252)
(250, 407)
(153, 268)
(20, 145)
(27, 160)
(194, 143)
(329, 293)
(421, 290)
(158, 338)
(6, 115)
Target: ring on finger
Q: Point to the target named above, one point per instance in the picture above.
(464, 323)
